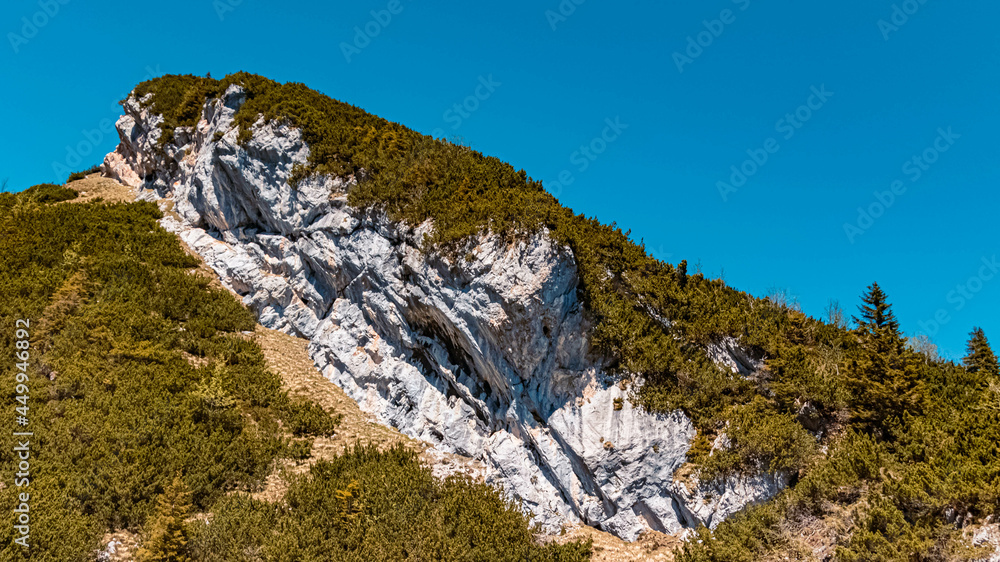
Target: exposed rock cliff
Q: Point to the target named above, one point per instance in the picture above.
(485, 356)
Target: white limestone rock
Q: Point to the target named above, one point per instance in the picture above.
(730, 355)
(487, 357)
(711, 503)
(988, 537)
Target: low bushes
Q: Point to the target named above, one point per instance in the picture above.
(83, 174)
(372, 506)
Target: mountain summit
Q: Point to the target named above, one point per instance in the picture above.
(454, 299)
(445, 292)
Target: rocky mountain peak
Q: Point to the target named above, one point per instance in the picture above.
(486, 355)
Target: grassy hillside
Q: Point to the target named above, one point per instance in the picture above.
(896, 445)
(138, 374)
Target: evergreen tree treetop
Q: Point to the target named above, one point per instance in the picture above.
(876, 311)
(980, 357)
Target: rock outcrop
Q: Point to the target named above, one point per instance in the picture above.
(485, 356)
(987, 537)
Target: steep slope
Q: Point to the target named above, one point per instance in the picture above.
(488, 354)
(452, 298)
(139, 380)
(107, 315)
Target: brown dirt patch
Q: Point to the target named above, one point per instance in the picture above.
(94, 186)
(651, 546)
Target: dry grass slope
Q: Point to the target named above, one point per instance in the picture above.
(288, 357)
(96, 187)
(651, 546)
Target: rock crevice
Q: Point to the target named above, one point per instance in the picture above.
(486, 356)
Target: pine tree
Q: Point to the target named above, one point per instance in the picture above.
(884, 377)
(168, 539)
(876, 312)
(980, 358)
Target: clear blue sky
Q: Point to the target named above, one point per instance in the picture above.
(556, 79)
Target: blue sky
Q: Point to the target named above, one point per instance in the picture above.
(747, 133)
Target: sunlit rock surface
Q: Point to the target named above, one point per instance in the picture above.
(485, 356)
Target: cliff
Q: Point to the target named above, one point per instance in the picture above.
(486, 356)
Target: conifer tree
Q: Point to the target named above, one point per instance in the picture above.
(884, 376)
(168, 540)
(980, 358)
(876, 312)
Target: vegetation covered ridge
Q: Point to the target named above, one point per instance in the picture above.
(872, 428)
(415, 177)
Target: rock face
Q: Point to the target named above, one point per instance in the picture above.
(987, 537)
(486, 356)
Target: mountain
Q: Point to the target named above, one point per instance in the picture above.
(482, 351)
(453, 299)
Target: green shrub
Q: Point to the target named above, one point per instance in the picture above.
(49, 193)
(179, 99)
(115, 407)
(376, 506)
(308, 418)
(168, 537)
(745, 537)
(760, 440)
(83, 174)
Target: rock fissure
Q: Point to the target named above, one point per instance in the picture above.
(486, 355)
